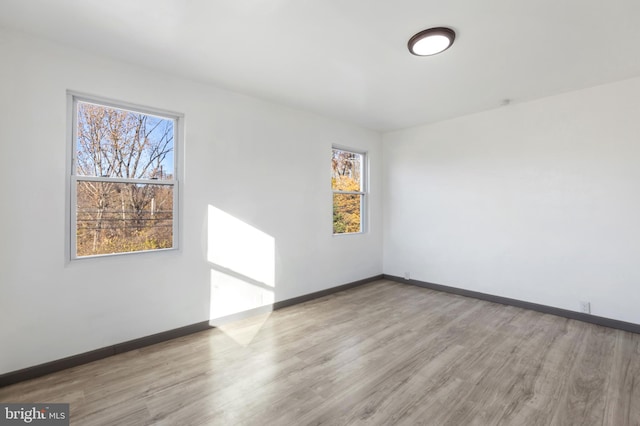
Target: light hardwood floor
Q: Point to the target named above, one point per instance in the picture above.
(381, 354)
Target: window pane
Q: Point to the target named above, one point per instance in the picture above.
(346, 171)
(113, 142)
(123, 217)
(347, 210)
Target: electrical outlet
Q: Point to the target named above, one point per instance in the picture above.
(407, 276)
(585, 307)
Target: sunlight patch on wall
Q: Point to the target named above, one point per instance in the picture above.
(231, 295)
(242, 262)
(241, 248)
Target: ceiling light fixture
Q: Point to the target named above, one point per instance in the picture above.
(432, 41)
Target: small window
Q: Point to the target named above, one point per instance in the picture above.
(348, 182)
(124, 187)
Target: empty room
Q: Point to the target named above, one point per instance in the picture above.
(284, 212)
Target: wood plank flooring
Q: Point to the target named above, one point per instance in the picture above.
(381, 354)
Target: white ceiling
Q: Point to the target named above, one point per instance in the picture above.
(348, 58)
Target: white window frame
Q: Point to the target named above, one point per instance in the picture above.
(364, 188)
(73, 178)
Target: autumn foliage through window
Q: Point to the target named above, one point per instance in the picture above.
(123, 180)
(347, 183)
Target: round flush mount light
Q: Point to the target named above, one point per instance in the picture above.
(432, 41)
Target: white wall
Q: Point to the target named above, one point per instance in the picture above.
(263, 164)
(537, 201)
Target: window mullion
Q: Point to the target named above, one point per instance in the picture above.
(124, 180)
(337, 191)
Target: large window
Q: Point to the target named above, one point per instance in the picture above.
(124, 187)
(348, 182)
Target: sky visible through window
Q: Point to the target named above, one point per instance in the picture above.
(114, 142)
